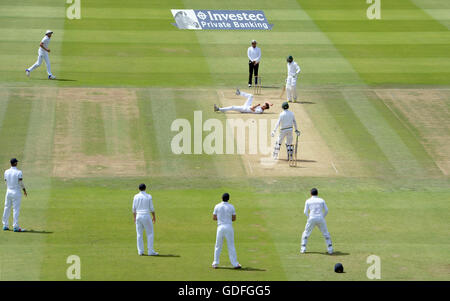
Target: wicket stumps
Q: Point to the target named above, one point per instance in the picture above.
(258, 85)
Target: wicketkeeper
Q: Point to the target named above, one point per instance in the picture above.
(286, 122)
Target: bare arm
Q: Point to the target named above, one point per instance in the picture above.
(134, 217)
(153, 217)
(233, 217)
(214, 217)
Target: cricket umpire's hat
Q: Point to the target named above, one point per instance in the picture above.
(48, 31)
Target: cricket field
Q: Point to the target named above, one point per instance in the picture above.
(374, 113)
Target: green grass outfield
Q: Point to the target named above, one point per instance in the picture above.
(375, 93)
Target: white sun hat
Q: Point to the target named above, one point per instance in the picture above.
(48, 31)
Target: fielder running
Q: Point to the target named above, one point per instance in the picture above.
(315, 211)
(142, 207)
(286, 122)
(225, 214)
(247, 107)
(293, 70)
(43, 55)
(14, 183)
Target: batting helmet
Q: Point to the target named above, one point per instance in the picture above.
(339, 268)
(285, 105)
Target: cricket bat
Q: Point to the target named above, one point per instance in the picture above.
(282, 91)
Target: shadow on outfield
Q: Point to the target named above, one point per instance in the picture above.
(59, 79)
(37, 232)
(163, 255)
(305, 102)
(337, 253)
(245, 269)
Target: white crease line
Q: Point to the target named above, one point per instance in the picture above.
(335, 169)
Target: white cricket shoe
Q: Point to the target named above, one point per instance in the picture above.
(27, 72)
(51, 77)
(303, 250)
(153, 253)
(330, 251)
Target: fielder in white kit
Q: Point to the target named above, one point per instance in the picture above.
(315, 211)
(293, 69)
(13, 198)
(43, 55)
(142, 207)
(225, 214)
(247, 107)
(286, 122)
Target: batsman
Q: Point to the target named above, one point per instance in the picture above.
(286, 122)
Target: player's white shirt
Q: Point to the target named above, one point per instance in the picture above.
(315, 207)
(12, 177)
(46, 41)
(258, 110)
(224, 212)
(254, 54)
(142, 203)
(286, 121)
(293, 69)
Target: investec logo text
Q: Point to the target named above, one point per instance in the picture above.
(221, 19)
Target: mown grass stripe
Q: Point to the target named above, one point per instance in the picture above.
(391, 144)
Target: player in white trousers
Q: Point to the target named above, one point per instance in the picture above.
(315, 211)
(225, 214)
(13, 198)
(247, 107)
(43, 55)
(293, 69)
(142, 207)
(286, 122)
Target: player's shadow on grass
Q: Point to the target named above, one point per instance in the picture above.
(37, 231)
(60, 79)
(244, 269)
(164, 255)
(337, 253)
(307, 161)
(305, 102)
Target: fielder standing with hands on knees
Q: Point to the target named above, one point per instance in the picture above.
(254, 57)
(142, 207)
(225, 214)
(14, 183)
(315, 211)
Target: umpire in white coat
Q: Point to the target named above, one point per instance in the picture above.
(315, 211)
(225, 214)
(142, 207)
